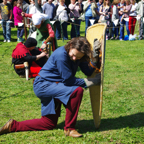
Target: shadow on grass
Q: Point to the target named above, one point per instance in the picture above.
(131, 121)
(13, 39)
(13, 95)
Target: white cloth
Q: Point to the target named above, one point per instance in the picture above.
(52, 22)
(132, 37)
(33, 10)
(133, 10)
(20, 24)
(9, 21)
(72, 19)
(82, 17)
(115, 14)
(138, 17)
(116, 22)
(33, 35)
(126, 19)
(38, 18)
(92, 21)
(63, 16)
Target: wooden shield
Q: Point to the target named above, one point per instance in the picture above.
(96, 92)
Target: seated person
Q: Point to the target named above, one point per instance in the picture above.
(28, 53)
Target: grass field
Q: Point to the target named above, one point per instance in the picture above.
(123, 99)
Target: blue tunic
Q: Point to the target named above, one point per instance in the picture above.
(59, 68)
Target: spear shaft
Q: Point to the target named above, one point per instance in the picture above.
(25, 30)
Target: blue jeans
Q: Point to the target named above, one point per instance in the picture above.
(141, 32)
(115, 30)
(6, 30)
(74, 28)
(20, 31)
(122, 28)
(78, 27)
(87, 22)
(64, 29)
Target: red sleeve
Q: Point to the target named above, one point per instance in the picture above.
(50, 31)
(28, 15)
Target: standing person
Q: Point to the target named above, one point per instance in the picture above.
(61, 11)
(43, 2)
(24, 5)
(45, 31)
(99, 4)
(74, 7)
(125, 14)
(56, 84)
(11, 3)
(140, 13)
(80, 12)
(28, 53)
(120, 7)
(115, 16)
(48, 9)
(56, 2)
(106, 11)
(18, 19)
(126, 11)
(90, 10)
(32, 3)
(38, 5)
(6, 17)
(32, 9)
(132, 17)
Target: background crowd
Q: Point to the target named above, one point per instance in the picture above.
(115, 14)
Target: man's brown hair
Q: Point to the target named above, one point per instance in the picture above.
(16, 2)
(82, 45)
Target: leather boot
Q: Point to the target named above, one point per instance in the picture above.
(7, 127)
(72, 133)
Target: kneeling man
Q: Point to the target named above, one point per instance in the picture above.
(56, 84)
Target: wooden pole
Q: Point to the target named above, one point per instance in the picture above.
(25, 29)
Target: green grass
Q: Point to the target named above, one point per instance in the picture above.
(123, 106)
